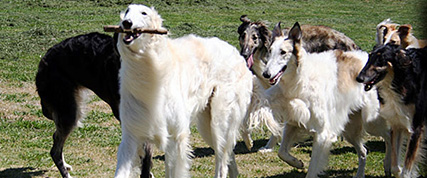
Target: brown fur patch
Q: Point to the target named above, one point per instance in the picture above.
(323, 38)
(348, 69)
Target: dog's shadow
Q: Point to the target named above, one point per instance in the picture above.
(239, 149)
(24, 172)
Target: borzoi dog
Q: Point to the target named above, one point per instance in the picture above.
(386, 32)
(401, 78)
(168, 83)
(255, 40)
(395, 34)
(89, 61)
(317, 92)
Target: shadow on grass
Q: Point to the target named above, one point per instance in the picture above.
(345, 173)
(292, 174)
(207, 151)
(342, 173)
(24, 172)
(371, 146)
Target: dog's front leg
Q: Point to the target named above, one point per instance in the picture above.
(290, 136)
(127, 156)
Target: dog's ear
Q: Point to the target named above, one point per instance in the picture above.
(404, 30)
(265, 35)
(245, 19)
(245, 22)
(122, 14)
(295, 33)
(277, 31)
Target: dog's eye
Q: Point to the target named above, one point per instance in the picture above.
(143, 13)
(282, 52)
(254, 37)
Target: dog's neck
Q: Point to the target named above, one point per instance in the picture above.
(140, 62)
(393, 106)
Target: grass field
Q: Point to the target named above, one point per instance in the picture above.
(29, 27)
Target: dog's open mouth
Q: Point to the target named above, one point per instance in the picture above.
(129, 37)
(370, 83)
(276, 78)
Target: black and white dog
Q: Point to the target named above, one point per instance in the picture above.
(88, 61)
(401, 78)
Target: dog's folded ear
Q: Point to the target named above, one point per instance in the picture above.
(277, 31)
(245, 19)
(404, 30)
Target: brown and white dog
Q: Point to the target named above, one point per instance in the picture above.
(316, 93)
(393, 33)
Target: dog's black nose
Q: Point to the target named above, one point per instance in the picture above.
(360, 79)
(127, 24)
(266, 75)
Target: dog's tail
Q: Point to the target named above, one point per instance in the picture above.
(259, 112)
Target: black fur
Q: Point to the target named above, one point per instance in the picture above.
(409, 82)
(85, 61)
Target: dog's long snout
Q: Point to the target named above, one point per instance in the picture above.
(266, 75)
(245, 52)
(127, 24)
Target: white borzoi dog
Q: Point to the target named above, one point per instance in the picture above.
(168, 83)
(316, 93)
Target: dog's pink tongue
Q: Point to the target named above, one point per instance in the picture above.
(250, 61)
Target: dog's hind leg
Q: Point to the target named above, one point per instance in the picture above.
(66, 114)
(353, 133)
(290, 136)
(204, 125)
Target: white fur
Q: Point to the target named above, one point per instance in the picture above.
(168, 83)
(309, 98)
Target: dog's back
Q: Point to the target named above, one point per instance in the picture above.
(322, 38)
(89, 61)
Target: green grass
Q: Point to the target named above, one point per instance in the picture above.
(29, 27)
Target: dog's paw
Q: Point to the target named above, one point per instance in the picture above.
(248, 142)
(292, 161)
(265, 150)
(396, 170)
(68, 167)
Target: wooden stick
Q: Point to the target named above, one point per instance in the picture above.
(118, 29)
